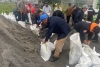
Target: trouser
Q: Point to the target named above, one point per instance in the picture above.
(59, 45)
(90, 18)
(26, 18)
(34, 19)
(95, 37)
(68, 19)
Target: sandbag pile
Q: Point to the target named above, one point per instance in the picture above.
(82, 56)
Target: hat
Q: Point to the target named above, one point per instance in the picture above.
(42, 17)
(84, 6)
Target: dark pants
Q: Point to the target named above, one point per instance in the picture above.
(90, 18)
(34, 19)
(26, 18)
(68, 19)
(96, 37)
(15, 12)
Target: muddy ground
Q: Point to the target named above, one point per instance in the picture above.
(20, 47)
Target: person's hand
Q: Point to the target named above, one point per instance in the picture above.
(88, 42)
(43, 41)
(85, 42)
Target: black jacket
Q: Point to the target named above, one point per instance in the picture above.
(91, 12)
(58, 13)
(21, 17)
(80, 27)
(79, 16)
(58, 26)
(74, 13)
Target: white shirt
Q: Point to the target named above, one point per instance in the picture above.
(46, 9)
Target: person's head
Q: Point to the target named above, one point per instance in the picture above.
(39, 12)
(84, 8)
(24, 0)
(36, 5)
(46, 4)
(69, 4)
(44, 19)
(58, 5)
(96, 30)
(59, 14)
(74, 7)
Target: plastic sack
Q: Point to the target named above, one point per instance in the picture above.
(88, 50)
(81, 65)
(75, 49)
(61, 47)
(36, 30)
(23, 24)
(46, 50)
(85, 59)
(95, 58)
(29, 16)
(96, 66)
(99, 34)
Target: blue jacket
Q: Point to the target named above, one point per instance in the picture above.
(79, 16)
(57, 25)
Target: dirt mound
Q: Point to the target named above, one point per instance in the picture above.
(19, 47)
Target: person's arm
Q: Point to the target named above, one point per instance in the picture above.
(77, 17)
(49, 32)
(82, 34)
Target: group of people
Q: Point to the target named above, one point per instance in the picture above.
(57, 24)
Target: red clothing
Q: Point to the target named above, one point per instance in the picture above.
(33, 10)
(27, 9)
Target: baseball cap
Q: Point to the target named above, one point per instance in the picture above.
(42, 17)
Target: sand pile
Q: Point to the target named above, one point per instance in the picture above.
(19, 47)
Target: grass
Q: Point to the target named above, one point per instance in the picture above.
(6, 7)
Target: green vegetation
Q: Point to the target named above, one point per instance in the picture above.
(6, 7)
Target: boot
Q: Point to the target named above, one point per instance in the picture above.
(53, 59)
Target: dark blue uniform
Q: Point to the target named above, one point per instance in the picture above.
(79, 16)
(59, 26)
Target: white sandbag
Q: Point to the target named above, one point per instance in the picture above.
(23, 24)
(46, 50)
(95, 58)
(48, 14)
(35, 29)
(81, 65)
(88, 50)
(96, 66)
(29, 17)
(99, 34)
(75, 49)
(61, 47)
(85, 59)
(51, 46)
